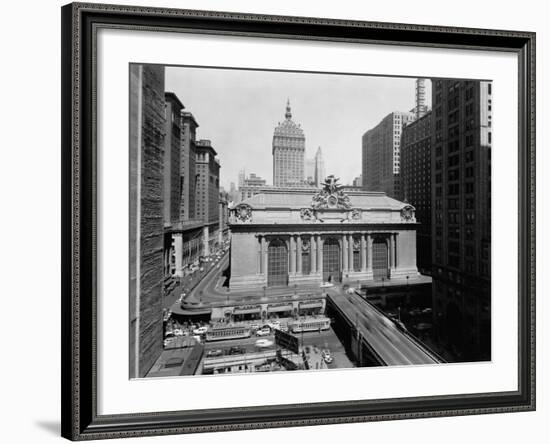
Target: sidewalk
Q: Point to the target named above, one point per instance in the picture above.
(188, 283)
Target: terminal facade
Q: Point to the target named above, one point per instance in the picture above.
(301, 237)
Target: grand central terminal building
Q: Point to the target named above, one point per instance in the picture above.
(300, 237)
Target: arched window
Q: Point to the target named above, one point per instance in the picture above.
(331, 260)
(380, 264)
(277, 263)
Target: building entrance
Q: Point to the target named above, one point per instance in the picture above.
(380, 269)
(331, 260)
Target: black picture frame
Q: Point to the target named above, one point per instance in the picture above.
(79, 396)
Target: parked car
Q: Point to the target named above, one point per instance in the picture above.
(169, 341)
(214, 353)
(178, 332)
(327, 357)
(236, 351)
(327, 285)
(197, 338)
(274, 325)
(200, 330)
(264, 331)
(262, 343)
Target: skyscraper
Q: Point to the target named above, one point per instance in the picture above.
(461, 216)
(252, 185)
(289, 145)
(242, 176)
(310, 171)
(381, 160)
(172, 136)
(147, 107)
(416, 151)
(319, 168)
(187, 165)
(208, 192)
(315, 169)
(420, 108)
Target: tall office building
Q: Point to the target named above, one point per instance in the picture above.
(234, 195)
(381, 159)
(172, 136)
(252, 185)
(310, 171)
(461, 215)
(421, 108)
(147, 122)
(187, 165)
(416, 143)
(191, 237)
(289, 145)
(242, 176)
(319, 168)
(207, 192)
(315, 169)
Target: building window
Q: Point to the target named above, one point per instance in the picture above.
(306, 262)
(453, 189)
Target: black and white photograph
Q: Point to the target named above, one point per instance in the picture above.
(306, 221)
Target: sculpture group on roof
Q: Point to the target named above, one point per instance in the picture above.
(331, 195)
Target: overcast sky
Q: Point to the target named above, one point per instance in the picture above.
(238, 111)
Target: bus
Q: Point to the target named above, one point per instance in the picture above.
(310, 324)
(227, 332)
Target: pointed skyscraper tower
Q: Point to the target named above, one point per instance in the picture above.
(319, 168)
(289, 146)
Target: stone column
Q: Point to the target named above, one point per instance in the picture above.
(396, 250)
(369, 252)
(259, 256)
(292, 255)
(350, 253)
(299, 254)
(264, 256)
(392, 252)
(363, 253)
(320, 254)
(260, 265)
(345, 255)
(313, 253)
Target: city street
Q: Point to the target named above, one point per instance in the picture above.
(323, 340)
